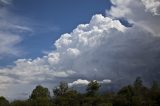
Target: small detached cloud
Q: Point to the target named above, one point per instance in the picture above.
(78, 82)
(105, 81)
(81, 82)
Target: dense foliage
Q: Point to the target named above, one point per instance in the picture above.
(131, 95)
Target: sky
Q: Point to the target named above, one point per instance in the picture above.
(45, 42)
(46, 21)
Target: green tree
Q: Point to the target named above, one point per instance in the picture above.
(40, 97)
(20, 103)
(127, 93)
(40, 91)
(3, 101)
(65, 96)
(140, 93)
(131, 95)
(138, 83)
(155, 94)
(93, 88)
(155, 87)
(61, 89)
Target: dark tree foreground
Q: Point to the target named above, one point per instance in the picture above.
(130, 95)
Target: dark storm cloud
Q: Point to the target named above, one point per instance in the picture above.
(124, 56)
(127, 56)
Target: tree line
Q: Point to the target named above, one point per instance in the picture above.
(131, 95)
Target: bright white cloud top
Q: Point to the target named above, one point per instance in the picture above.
(116, 52)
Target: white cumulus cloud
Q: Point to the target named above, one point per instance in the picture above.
(78, 82)
(66, 59)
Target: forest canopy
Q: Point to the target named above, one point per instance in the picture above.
(131, 95)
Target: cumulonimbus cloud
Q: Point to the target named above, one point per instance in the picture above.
(101, 49)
